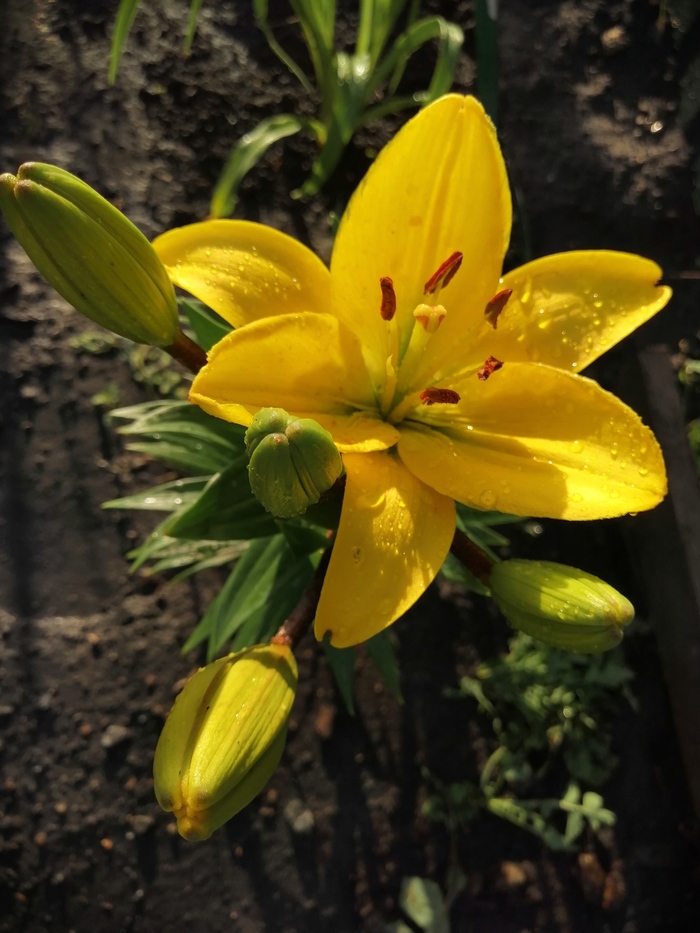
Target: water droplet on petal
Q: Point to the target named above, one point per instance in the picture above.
(487, 499)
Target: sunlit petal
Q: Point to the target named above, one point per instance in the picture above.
(439, 186)
(244, 271)
(394, 535)
(534, 440)
(308, 364)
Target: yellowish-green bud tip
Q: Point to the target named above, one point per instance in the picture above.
(91, 254)
(562, 606)
(292, 461)
(224, 737)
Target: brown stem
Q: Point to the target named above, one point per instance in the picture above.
(187, 352)
(471, 556)
(297, 623)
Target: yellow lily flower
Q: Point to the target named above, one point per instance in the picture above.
(437, 379)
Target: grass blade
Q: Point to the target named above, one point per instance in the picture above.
(122, 27)
(247, 153)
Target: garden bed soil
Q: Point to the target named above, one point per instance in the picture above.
(589, 121)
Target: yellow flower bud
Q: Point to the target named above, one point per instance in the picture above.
(224, 737)
(292, 461)
(91, 254)
(563, 606)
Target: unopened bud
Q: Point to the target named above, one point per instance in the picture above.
(562, 606)
(224, 737)
(91, 254)
(292, 461)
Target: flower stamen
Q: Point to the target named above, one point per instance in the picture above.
(444, 275)
(496, 305)
(491, 365)
(388, 306)
(435, 395)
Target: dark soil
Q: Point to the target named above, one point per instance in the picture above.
(590, 95)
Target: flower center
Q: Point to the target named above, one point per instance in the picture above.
(400, 395)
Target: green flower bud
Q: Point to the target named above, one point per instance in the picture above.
(91, 254)
(560, 605)
(292, 461)
(224, 737)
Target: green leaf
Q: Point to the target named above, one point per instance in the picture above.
(422, 901)
(226, 510)
(347, 105)
(247, 153)
(450, 40)
(342, 663)
(183, 435)
(455, 572)
(301, 538)
(381, 651)
(193, 17)
(164, 498)
(122, 27)
(260, 13)
(293, 577)
(208, 327)
(317, 21)
(377, 19)
(262, 589)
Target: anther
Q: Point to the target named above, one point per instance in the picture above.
(496, 305)
(444, 274)
(490, 366)
(441, 396)
(388, 307)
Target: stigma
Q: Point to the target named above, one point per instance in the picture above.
(430, 317)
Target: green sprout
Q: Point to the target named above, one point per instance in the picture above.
(353, 88)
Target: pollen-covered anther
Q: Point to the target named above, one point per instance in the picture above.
(434, 396)
(444, 274)
(496, 305)
(490, 366)
(388, 307)
(430, 317)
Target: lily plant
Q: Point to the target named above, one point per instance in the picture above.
(353, 88)
(439, 378)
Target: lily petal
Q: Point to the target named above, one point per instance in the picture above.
(244, 271)
(393, 537)
(309, 364)
(535, 440)
(438, 187)
(569, 308)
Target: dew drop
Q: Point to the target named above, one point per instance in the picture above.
(487, 498)
(577, 446)
(643, 471)
(576, 497)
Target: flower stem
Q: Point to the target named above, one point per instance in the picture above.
(187, 352)
(472, 557)
(297, 623)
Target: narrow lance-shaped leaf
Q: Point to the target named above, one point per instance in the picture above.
(166, 497)
(226, 510)
(122, 27)
(208, 327)
(247, 153)
(260, 8)
(192, 19)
